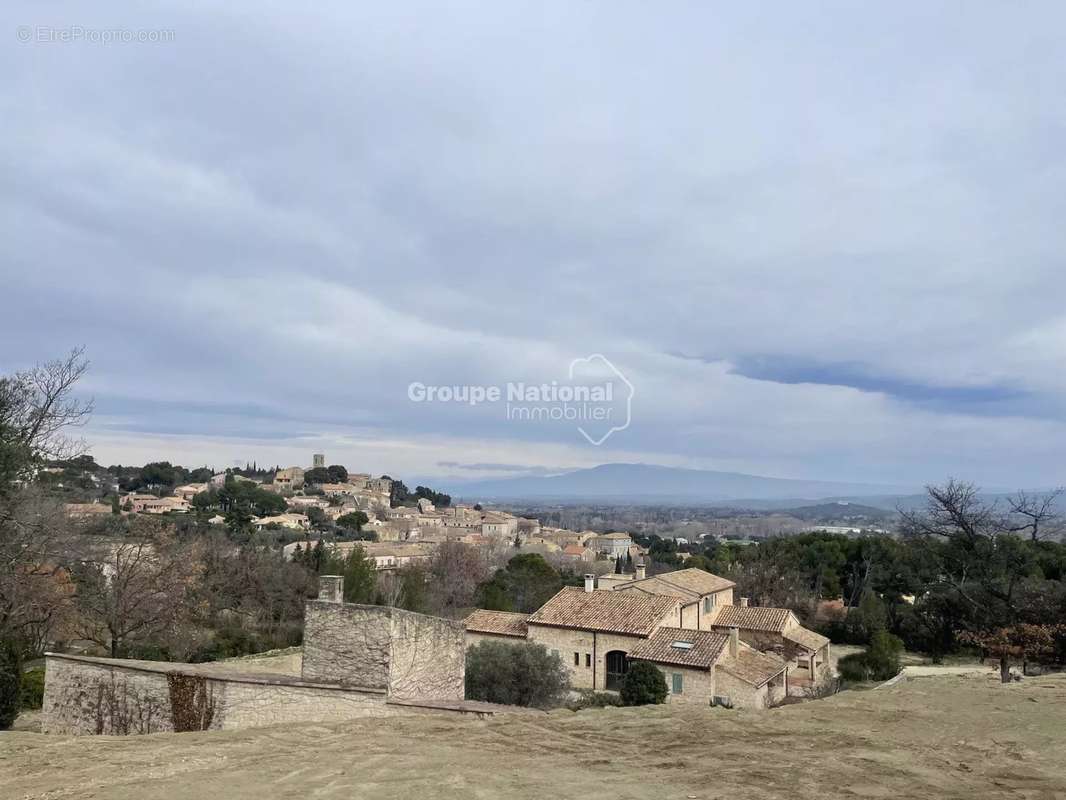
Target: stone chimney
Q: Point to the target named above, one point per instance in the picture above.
(734, 640)
(331, 588)
(590, 582)
(642, 571)
(743, 602)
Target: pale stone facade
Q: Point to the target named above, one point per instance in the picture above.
(697, 686)
(584, 653)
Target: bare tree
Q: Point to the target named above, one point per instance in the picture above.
(36, 407)
(454, 574)
(135, 589)
(1036, 514)
(35, 589)
(390, 589)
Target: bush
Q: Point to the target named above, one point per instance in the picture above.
(880, 662)
(643, 685)
(10, 680)
(587, 698)
(853, 668)
(31, 693)
(882, 656)
(515, 674)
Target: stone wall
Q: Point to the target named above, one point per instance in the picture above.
(428, 657)
(697, 685)
(411, 656)
(347, 644)
(110, 696)
(566, 642)
(740, 693)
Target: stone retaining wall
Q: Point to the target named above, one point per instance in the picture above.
(109, 696)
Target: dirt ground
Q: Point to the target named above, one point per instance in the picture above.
(944, 737)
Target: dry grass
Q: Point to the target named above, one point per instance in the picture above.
(941, 737)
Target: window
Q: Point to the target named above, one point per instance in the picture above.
(709, 602)
(678, 681)
(577, 659)
(588, 659)
(555, 653)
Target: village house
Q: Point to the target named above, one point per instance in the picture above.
(190, 490)
(498, 525)
(289, 479)
(612, 545)
(396, 555)
(578, 553)
(383, 555)
(82, 510)
(337, 489)
(135, 502)
(302, 503)
(296, 522)
(564, 538)
(219, 480)
(164, 505)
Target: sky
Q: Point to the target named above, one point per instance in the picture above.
(818, 240)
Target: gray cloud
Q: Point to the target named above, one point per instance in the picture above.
(264, 230)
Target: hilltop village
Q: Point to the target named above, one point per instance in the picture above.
(344, 509)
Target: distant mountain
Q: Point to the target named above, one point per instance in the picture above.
(650, 483)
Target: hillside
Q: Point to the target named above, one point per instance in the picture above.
(651, 483)
(927, 737)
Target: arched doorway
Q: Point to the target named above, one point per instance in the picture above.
(617, 666)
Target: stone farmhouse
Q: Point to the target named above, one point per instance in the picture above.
(685, 622)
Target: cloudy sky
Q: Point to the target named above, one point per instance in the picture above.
(821, 240)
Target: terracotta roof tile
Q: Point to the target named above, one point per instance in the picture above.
(806, 638)
(687, 584)
(603, 610)
(753, 618)
(698, 649)
(753, 667)
(501, 623)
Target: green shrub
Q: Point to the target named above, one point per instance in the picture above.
(10, 680)
(882, 656)
(31, 693)
(519, 674)
(587, 698)
(643, 685)
(853, 668)
(880, 662)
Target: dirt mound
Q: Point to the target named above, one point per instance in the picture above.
(925, 737)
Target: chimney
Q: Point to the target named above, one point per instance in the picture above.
(743, 602)
(331, 588)
(734, 640)
(590, 582)
(642, 572)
